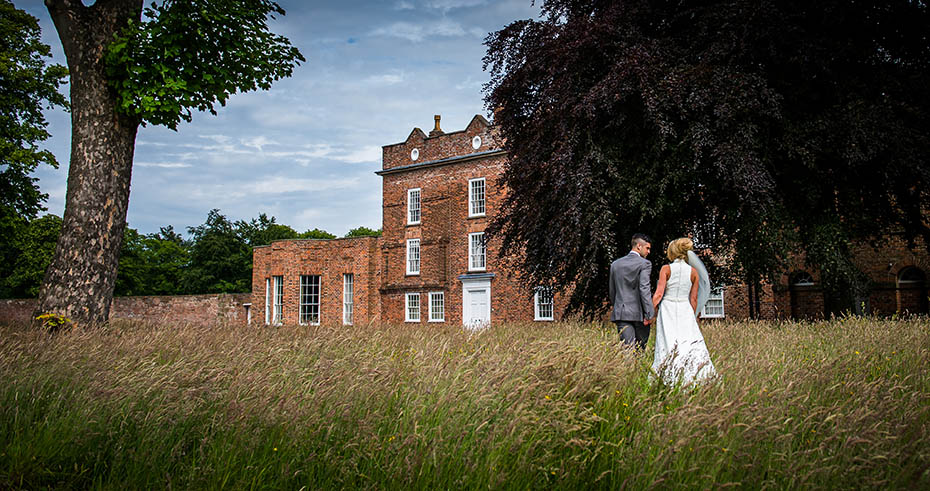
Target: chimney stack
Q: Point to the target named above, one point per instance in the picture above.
(437, 130)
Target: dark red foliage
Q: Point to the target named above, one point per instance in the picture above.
(759, 127)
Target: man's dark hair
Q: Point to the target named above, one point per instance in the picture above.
(637, 238)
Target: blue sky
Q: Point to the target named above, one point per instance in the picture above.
(306, 150)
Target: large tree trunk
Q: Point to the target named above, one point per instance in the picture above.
(79, 281)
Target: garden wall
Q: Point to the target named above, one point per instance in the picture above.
(213, 309)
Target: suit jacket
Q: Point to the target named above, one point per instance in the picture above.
(630, 290)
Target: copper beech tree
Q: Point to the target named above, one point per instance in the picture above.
(760, 127)
(132, 66)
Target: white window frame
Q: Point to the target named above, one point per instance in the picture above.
(408, 304)
(277, 306)
(715, 295)
(473, 256)
(472, 202)
(306, 283)
(410, 206)
(348, 299)
(413, 248)
(267, 301)
(537, 305)
(439, 314)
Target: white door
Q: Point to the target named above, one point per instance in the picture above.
(479, 311)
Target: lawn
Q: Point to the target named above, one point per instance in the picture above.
(842, 403)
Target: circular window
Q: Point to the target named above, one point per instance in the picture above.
(414, 154)
(476, 142)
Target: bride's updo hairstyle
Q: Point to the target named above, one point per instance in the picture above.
(678, 249)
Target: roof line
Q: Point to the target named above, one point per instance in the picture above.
(441, 162)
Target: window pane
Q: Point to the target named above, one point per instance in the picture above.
(278, 307)
(413, 307)
(476, 197)
(437, 307)
(267, 300)
(714, 305)
(476, 251)
(544, 305)
(413, 206)
(310, 299)
(413, 256)
(348, 292)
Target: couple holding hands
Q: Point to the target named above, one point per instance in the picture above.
(680, 295)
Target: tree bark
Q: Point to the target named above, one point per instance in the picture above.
(80, 279)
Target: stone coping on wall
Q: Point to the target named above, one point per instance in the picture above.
(441, 162)
(364, 237)
(199, 309)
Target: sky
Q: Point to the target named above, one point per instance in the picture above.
(306, 150)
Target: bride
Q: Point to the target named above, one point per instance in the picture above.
(680, 350)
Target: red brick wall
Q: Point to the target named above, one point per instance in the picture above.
(328, 258)
(205, 310)
(445, 226)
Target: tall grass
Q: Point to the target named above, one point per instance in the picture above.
(843, 403)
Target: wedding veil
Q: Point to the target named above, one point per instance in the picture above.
(703, 281)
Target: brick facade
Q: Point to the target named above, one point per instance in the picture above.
(440, 165)
(443, 166)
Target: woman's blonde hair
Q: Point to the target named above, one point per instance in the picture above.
(678, 248)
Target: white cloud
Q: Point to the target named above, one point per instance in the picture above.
(281, 185)
(257, 142)
(447, 5)
(393, 78)
(371, 153)
(221, 139)
(163, 165)
(417, 32)
(403, 5)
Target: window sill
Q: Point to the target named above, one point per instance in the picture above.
(411, 321)
(478, 270)
(483, 215)
(544, 319)
(713, 316)
(412, 274)
(437, 321)
(413, 224)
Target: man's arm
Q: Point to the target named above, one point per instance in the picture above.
(645, 292)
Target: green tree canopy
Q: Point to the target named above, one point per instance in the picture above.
(32, 247)
(126, 70)
(220, 258)
(363, 232)
(27, 86)
(759, 127)
(316, 234)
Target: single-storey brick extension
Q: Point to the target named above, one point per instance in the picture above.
(432, 264)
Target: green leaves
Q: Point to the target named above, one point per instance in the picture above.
(27, 87)
(191, 55)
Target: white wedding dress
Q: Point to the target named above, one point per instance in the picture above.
(680, 350)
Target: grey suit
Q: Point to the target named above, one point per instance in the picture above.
(631, 295)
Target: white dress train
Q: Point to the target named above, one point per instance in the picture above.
(681, 353)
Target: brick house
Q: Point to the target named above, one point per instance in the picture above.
(432, 264)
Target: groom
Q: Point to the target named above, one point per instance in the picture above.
(631, 294)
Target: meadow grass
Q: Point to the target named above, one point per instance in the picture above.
(842, 403)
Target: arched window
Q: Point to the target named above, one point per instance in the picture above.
(911, 276)
(912, 291)
(801, 278)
